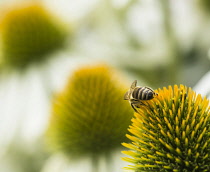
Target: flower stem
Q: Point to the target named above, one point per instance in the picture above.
(95, 163)
(46, 80)
(108, 160)
(173, 48)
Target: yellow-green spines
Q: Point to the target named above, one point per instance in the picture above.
(90, 115)
(171, 133)
(28, 34)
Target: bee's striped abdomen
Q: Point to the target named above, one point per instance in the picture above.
(143, 93)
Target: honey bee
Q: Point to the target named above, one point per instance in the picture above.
(136, 95)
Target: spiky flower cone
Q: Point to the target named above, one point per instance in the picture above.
(171, 133)
(28, 34)
(89, 116)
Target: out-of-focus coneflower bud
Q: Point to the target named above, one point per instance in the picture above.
(28, 34)
(89, 116)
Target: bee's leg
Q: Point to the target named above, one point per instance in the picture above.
(134, 108)
(135, 104)
(142, 104)
(138, 104)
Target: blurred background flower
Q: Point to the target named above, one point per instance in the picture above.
(156, 42)
(28, 34)
(89, 117)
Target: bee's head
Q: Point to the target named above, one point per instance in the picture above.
(155, 94)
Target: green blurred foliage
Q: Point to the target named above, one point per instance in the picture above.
(22, 157)
(205, 5)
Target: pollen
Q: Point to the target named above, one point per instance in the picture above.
(171, 133)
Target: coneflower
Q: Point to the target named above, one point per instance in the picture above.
(89, 117)
(171, 133)
(28, 34)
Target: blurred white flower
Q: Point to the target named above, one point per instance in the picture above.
(58, 162)
(203, 86)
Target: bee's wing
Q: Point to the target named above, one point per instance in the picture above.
(126, 96)
(133, 85)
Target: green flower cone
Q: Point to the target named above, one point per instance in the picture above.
(28, 34)
(171, 133)
(89, 117)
